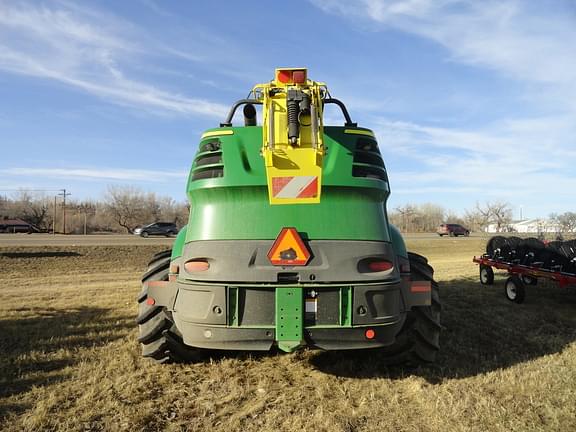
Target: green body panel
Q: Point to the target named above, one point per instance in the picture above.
(289, 318)
(346, 306)
(179, 243)
(398, 242)
(232, 306)
(236, 205)
(244, 214)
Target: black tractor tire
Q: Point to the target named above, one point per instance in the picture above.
(514, 289)
(160, 256)
(495, 246)
(486, 275)
(418, 341)
(158, 335)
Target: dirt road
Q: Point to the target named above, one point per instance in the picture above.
(80, 240)
(7, 240)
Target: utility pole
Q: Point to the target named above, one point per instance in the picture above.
(86, 208)
(54, 218)
(64, 194)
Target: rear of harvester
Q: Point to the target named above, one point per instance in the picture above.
(288, 243)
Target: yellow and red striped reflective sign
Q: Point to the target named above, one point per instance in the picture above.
(289, 249)
(295, 187)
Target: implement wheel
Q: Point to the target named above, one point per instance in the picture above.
(159, 337)
(486, 275)
(529, 280)
(514, 289)
(418, 341)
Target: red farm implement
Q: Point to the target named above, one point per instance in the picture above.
(526, 261)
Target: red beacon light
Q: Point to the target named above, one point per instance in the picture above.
(291, 76)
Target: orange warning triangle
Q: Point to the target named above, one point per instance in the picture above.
(289, 249)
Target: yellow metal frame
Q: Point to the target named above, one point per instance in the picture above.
(303, 160)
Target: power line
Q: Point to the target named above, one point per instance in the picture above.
(30, 190)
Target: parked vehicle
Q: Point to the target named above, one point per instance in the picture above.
(452, 230)
(157, 228)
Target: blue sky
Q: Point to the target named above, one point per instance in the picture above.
(471, 101)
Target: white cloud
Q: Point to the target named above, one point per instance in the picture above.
(85, 50)
(512, 159)
(528, 158)
(523, 40)
(96, 174)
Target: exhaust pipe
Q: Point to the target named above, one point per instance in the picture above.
(249, 115)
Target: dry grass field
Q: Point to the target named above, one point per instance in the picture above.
(69, 359)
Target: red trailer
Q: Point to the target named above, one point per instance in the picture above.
(519, 276)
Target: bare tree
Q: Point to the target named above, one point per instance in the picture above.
(567, 221)
(475, 220)
(417, 218)
(124, 208)
(171, 211)
(127, 206)
(402, 217)
(429, 216)
(130, 207)
(498, 213)
(31, 208)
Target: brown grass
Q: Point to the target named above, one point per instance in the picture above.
(70, 360)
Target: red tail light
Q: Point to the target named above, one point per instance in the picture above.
(374, 265)
(195, 266)
(378, 266)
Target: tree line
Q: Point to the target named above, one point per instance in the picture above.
(122, 209)
(125, 208)
(427, 217)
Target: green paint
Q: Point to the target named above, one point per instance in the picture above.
(232, 306)
(179, 243)
(242, 192)
(346, 306)
(289, 318)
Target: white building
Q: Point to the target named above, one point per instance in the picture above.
(527, 226)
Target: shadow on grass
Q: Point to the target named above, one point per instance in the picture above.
(48, 254)
(37, 347)
(483, 332)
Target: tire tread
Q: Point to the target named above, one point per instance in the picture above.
(418, 342)
(158, 334)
